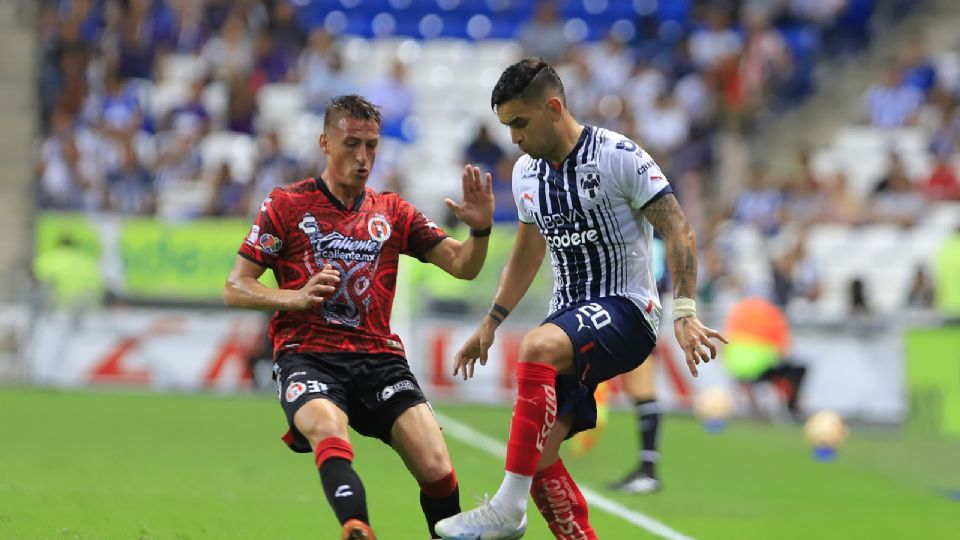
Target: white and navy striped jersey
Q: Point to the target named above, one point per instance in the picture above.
(588, 210)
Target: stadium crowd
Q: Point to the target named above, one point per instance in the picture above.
(671, 80)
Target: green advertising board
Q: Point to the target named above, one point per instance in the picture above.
(161, 260)
(933, 379)
(188, 260)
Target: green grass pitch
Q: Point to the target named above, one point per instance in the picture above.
(159, 466)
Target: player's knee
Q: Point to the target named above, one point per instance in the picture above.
(434, 465)
(538, 348)
(318, 430)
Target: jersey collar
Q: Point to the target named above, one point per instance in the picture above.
(322, 186)
(584, 133)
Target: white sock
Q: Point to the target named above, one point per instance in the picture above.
(511, 498)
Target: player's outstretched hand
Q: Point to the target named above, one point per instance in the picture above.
(476, 210)
(474, 349)
(695, 340)
(317, 289)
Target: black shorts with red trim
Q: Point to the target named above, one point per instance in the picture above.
(610, 336)
(372, 389)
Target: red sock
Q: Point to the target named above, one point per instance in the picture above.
(534, 414)
(560, 503)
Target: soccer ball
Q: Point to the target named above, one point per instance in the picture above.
(713, 407)
(824, 432)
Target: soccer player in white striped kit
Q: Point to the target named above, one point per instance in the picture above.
(593, 198)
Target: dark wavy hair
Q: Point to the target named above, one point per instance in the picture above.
(528, 79)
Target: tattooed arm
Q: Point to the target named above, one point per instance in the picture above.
(667, 218)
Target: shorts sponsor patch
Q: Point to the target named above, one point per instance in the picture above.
(390, 391)
(294, 391)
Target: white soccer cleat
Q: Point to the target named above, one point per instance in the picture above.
(482, 523)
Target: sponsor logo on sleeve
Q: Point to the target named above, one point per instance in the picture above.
(270, 244)
(254, 233)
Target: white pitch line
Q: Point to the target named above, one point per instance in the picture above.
(466, 434)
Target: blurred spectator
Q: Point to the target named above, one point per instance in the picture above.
(188, 31)
(899, 203)
(891, 104)
(543, 34)
(485, 153)
(229, 197)
(191, 116)
(918, 70)
(806, 199)
(795, 275)
(273, 169)
(665, 127)
(287, 32)
(759, 204)
(610, 64)
(137, 48)
(179, 159)
(131, 189)
(322, 75)
(715, 42)
(921, 292)
(71, 275)
(217, 13)
(118, 111)
(895, 172)
(858, 304)
(842, 207)
(229, 53)
(395, 98)
(241, 105)
(943, 183)
(766, 60)
(271, 64)
(58, 168)
(643, 88)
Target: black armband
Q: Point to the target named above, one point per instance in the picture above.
(480, 233)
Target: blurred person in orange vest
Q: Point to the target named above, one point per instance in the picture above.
(757, 352)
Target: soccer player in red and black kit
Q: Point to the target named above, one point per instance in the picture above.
(333, 245)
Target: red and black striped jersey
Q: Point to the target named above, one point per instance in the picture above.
(302, 227)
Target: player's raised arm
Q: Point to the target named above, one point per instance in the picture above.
(667, 218)
(522, 266)
(244, 291)
(464, 260)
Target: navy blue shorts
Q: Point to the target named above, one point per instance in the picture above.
(610, 336)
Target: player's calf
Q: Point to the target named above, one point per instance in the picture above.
(341, 484)
(561, 503)
(440, 499)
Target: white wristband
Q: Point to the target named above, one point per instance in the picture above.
(684, 307)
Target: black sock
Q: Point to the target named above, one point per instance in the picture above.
(344, 490)
(435, 509)
(648, 419)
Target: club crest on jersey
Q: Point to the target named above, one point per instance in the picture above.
(294, 391)
(379, 228)
(588, 181)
